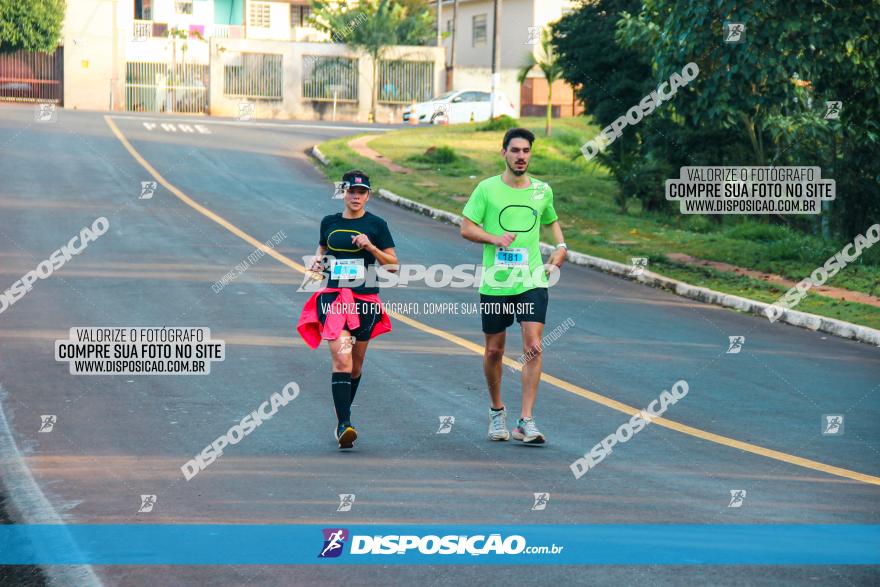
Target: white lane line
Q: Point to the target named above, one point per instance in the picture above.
(29, 502)
(249, 123)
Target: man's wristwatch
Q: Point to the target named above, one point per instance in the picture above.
(562, 246)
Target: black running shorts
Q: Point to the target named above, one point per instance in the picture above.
(498, 312)
(369, 314)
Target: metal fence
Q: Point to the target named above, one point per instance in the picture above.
(30, 76)
(324, 75)
(161, 87)
(401, 82)
(255, 75)
(142, 29)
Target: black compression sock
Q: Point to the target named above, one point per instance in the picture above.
(355, 381)
(340, 383)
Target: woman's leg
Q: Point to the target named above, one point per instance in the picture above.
(341, 355)
(369, 315)
(358, 352)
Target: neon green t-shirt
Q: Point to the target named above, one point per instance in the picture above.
(499, 208)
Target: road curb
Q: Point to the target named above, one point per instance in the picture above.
(441, 215)
(794, 317)
(30, 506)
(317, 154)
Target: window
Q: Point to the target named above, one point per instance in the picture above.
(401, 82)
(186, 85)
(260, 15)
(256, 75)
(183, 7)
(299, 15)
(479, 29)
(143, 10)
(324, 76)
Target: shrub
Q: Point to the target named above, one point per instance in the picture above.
(442, 155)
(699, 223)
(503, 122)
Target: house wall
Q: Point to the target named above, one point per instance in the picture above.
(94, 64)
(480, 78)
(166, 50)
(516, 18)
(473, 64)
(229, 12)
(164, 11)
(292, 105)
(535, 92)
(279, 21)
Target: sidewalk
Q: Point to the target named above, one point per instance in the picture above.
(359, 146)
(837, 293)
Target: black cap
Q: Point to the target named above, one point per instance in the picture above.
(357, 179)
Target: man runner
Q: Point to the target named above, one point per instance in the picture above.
(350, 246)
(505, 214)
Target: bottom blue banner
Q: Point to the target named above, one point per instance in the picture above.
(658, 544)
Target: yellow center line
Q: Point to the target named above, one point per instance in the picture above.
(478, 349)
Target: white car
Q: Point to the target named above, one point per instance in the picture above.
(460, 106)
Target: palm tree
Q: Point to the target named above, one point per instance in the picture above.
(549, 66)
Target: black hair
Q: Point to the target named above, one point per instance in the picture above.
(518, 133)
(349, 175)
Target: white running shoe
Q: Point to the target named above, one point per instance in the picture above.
(527, 432)
(498, 424)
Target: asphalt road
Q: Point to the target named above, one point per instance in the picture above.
(118, 437)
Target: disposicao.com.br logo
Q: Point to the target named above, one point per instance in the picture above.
(474, 545)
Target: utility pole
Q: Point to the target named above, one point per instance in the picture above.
(439, 23)
(451, 71)
(496, 53)
(114, 62)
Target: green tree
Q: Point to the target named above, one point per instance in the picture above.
(549, 66)
(771, 89)
(373, 26)
(609, 80)
(30, 25)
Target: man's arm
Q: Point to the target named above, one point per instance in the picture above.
(474, 233)
(558, 256)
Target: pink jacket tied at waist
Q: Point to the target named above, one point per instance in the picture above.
(338, 317)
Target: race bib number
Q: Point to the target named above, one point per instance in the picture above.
(347, 269)
(511, 257)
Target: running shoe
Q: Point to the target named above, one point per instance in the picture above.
(527, 432)
(346, 435)
(498, 425)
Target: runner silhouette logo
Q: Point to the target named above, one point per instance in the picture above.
(334, 541)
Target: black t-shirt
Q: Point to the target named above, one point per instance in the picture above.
(348, 260)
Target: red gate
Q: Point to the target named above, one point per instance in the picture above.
(27, 76)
